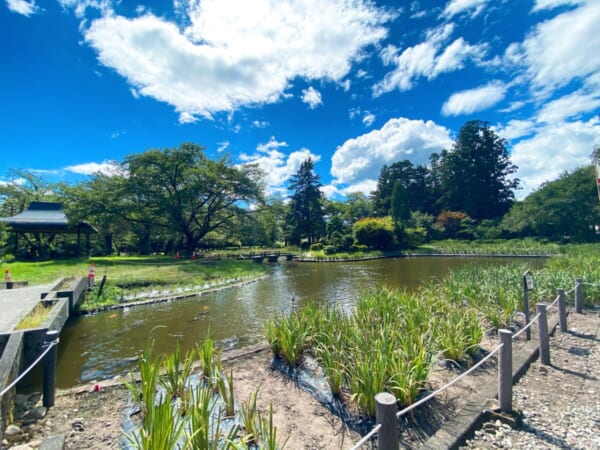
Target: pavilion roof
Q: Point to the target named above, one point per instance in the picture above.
(45, 217)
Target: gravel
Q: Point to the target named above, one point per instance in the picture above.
(559, 404)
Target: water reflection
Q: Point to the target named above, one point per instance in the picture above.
(106, 344)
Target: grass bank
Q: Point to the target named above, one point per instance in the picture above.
(134, 278)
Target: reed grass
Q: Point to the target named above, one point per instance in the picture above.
(200, 424)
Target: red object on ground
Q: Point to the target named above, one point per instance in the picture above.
(177, 254)
(97, 388)
(92, 274)
(7, 275)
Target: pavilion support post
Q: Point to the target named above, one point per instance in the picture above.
(87, 243)
(78, 241)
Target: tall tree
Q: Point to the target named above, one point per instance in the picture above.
(181, 190)
(475, 173)
(416, 182)
(306, 209)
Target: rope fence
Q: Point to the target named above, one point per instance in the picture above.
(28, 369)
(49, 358)
(387, 430)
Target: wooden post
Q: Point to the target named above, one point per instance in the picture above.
(578, 295)
(49, 382)
(505, 371)
(386, 408)
(543, 334)
(562, 310)
(526, 308)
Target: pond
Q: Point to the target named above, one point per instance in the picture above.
(107, 344)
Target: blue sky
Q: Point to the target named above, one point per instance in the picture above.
(354, 84)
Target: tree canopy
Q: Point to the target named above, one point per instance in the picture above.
(306, 214)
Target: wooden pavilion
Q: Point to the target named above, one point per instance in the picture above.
(47, 218)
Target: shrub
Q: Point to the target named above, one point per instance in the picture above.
(316, 247)
(329, 250)
(376, 232)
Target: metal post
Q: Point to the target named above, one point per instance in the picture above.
(386, 408)
(505, 371)
(578, 295)
(543, 332)
(562, 310)
(526, 308)
(49, 382)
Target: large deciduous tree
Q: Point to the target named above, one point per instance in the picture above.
(181, 190)
(475, 173)
(306, 208)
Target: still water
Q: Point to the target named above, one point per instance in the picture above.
(107, 344)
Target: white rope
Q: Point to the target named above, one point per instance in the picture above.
(551, 305)
(451, 383)
(571, 290)
(522, 330)
(26, 371)
(427, 398)
(367, 436)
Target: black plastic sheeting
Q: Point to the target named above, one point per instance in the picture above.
(310, 377)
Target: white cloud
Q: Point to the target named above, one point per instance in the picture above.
(368, 119)
(329, 190)
(554, 149)
(116, 134)
(311, 97)
(515, 129)
(551, 4)
(222, 146)
(186, 117)
(364, 186)
(560, 50)
(260, 123)
(428, 59)
(276, 165)
(110, 168)
(361, 158)
(569, 106)
(24, 7)
(81, 6)
(236, 53)
(473, 100)
(455, 7)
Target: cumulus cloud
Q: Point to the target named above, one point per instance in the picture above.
(428, 59)
(24, 7)
(552, 150)
(311, 97)
(236, 53)
(359, 160)
(471, 7)
(277, 166)
(110, 168)
(473, 100)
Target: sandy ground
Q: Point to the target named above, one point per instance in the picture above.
(92, 419)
